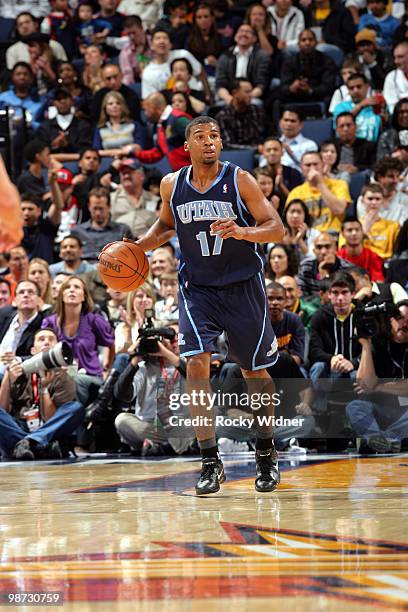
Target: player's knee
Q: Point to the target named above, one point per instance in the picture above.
(198, 366)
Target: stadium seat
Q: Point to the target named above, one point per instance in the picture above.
(335, 53)
(318, 130)
(162, 166)
(137, 88)
(6, 25)
(241, 157)
(357, 182)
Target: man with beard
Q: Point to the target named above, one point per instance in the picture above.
(71, 258)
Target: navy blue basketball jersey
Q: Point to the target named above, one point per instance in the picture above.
(207, 259)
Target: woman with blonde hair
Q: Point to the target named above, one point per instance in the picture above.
(39, 272)
(115, 127)
(162, 262)
(92, 75)
(133, 317)
(75, 323)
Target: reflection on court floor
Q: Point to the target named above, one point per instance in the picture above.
(118, 534)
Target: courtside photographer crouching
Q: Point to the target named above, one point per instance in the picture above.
(380, 416)
(38, 407)
(155, 372)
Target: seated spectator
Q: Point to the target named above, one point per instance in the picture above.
(19, 323)
(162, 261)
(5, 292)
(258, 17)
(130, 203)
(70, 79)
(334, 22)
(357, 254)
(70, 252)
(136, 54)
(58, 25)
(287, 326)
(242, 124)
(293, 142)
(171, 125)
(27, 24)
(179, 81)
(39, 272)
(265, 181)
(115, 128)
(305, 309)
(84, 331)
(307, 76)
(42, 62)
(86, 179)
(71, 213)
(368, 122)
(179, 101)
(175, 21)
(381, 22)
(227, 22)
(46, 403)
(157, 72)
(109, 13)
(395, 202)
(297, 221)
(56, 283)
(396, 81)
(380, 415)
(65, 133)
(204, 41)
(380, 233)
(112, 79)
(350, 66)
(321, 266)
(326, 198)
(93, 74)
(282, 261)
(114, 307)
(148, 417)
(330, 158)
(355, 154)
(37, 154)
(100, 229)
(246, 60)
(285, 177)
(149, 12)
(373, 61)
(368, 291)
(90, 29)
(389, 139)
(17, 260)
(41, 229)
(167, 308)
(287, 22)
(133, 317)
(22, 94)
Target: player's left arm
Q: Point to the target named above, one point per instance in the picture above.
(269, 226)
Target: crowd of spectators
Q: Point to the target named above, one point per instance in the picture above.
(99, 93)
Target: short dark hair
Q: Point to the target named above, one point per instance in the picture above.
(357, 75)
(373, 187)
(48, 329)
(99, 192)
(272, 139)
(342, 279)
(182, 59)
(302, 204)
(201, 120)
(276, 285)
(163, 29)
(5, 281)
(236, 84)
(22, 65)
(351, 220)
(132, 20)
(388, 163)
(345, 114)
(28, 280)
(358, 270)
(33, 198)
(86, 149)
(33, 148)
(72, 237)
(293, 109)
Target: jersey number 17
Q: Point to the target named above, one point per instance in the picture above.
(205, 248)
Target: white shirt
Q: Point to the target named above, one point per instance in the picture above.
(12, 337)
(64, 121)
(299, 145)
(397, 209)
(19, 53)
(241, 69)
(395, 88)
(155, 76)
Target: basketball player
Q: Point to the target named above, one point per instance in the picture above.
(220, 214)
(11, 219)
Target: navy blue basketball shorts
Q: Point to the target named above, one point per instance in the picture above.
(240, 310)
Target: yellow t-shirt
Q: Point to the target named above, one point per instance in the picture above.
(381, 238)
(323, 218)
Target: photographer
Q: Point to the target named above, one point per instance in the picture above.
(370, 291)
(380, 417)
(146, 385)
(39, 409)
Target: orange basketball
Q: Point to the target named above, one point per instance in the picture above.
(123, 266)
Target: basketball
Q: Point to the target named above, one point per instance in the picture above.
(123, 266)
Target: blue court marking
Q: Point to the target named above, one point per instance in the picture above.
(213, 184)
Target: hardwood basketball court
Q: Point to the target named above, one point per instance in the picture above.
(122, 534)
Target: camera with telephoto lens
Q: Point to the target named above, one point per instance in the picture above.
(372, 320)
(150, 336)
(57, 357)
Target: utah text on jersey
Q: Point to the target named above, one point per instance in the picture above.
(205, 210)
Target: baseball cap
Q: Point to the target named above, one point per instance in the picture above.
(133, 164)
(365, 34)
(64, 177)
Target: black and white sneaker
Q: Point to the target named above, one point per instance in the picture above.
(212, 475)
(267, 470)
